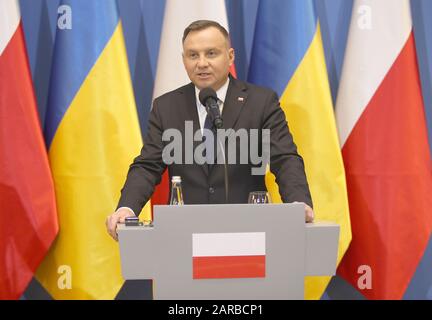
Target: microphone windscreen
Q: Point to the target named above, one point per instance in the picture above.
(207, 93)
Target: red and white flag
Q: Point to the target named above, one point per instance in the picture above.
(228, 255)
(28, 218)
(170, 73)
(381, 121)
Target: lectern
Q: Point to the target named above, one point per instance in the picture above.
(228, 251)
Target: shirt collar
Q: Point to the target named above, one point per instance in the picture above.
(221, 93)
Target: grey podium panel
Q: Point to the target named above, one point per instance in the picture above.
(164, 252)
(322, 240)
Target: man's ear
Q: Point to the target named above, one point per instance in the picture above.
(231, 54)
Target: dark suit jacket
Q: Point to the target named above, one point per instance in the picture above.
(257, 108)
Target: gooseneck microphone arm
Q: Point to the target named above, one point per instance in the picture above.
(222, 146)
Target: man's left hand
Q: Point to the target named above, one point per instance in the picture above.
(309, 213)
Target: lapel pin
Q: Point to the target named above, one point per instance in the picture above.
(241, 99)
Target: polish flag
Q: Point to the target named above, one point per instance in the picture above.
(28, 218)
(380, 115)
(170, 73)
(228, 255)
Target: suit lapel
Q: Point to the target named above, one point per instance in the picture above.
(190, 105)
(234, 102)
(189, 100)
(233, 105)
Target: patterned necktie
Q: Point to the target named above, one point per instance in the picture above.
(210, 147)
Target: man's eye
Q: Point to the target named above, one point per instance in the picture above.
(211, 53)
(193, 55)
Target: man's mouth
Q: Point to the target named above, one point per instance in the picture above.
(203, 75)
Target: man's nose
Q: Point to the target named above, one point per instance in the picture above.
(202, 62)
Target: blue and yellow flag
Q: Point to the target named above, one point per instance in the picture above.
(288, 57)
(93, 134)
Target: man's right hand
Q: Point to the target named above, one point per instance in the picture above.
(115, 218)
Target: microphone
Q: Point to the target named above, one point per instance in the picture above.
(208, 98)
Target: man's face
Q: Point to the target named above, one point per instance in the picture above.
(207, 58)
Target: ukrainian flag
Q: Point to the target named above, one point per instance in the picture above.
(93, 134)
(288, 57)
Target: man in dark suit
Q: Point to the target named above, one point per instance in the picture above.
(207, 57)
